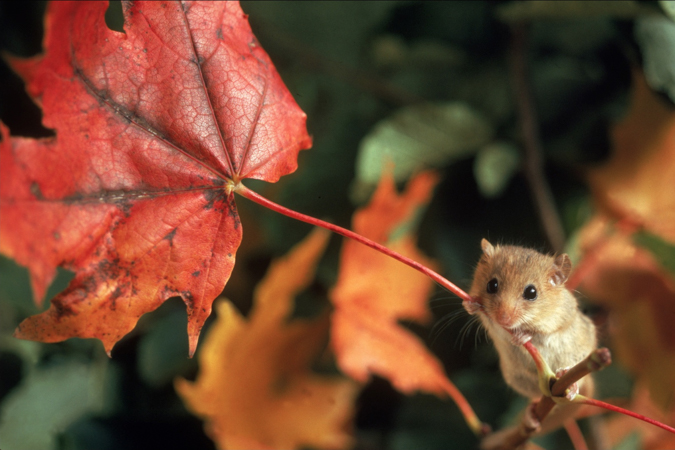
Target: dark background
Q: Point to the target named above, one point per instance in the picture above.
(349, 65)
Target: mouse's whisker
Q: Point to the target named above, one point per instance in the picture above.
(464, 332)
(443, 301)
(448, 318)
(444, 322)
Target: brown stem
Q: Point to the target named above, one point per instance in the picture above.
(513, 437)
(533, 165)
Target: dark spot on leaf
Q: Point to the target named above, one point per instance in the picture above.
(117, 293)
(56, 235)
(196, 273)
(109, 269)
(212, 196)
(168, 292)
(229, 255)
(35, 190)
(169, 237)
(120, 111)
(232, 212)
(64, 303)
(62, 309)
(219, 33)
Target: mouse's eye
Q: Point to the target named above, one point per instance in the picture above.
(530, 292)
(492, 286)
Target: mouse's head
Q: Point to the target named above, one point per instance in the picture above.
(521, 288)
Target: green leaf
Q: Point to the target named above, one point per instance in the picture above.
(161, 353)
(495, 165)
(656, 38)
(49, 400)
(668, 7)
(419, 136)
(663, 251)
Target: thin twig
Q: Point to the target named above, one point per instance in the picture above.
(533, 165)
(513, 437)
(597, 360)
(575, 435)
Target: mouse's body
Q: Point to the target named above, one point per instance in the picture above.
(523, 291)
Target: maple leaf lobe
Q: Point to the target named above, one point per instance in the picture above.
(374, 292)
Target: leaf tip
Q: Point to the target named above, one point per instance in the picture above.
(193, 339)
(108, 346)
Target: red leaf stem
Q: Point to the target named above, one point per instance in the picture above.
(479, 428)
(536, 356)
(614, 408)
(465, 408)
(575, 435)
(255, 197)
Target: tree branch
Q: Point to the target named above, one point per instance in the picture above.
(513, 437)
(534, 164)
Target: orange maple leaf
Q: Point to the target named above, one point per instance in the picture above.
(639, 180)
(255, 388)
(374, 292)
(634, 187)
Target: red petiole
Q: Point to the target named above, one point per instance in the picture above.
(466, 409)
(469, 415)
(447, 284)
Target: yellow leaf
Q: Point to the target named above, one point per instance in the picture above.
(255, 388)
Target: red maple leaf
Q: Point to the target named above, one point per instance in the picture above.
(154, 128)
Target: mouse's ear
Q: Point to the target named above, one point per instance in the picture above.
(488, 249)
(560, 270)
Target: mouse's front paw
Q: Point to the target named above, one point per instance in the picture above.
(573, 389)
(530, 420)
(472, 306)
(520, 337)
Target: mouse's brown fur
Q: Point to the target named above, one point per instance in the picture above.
(552, 321)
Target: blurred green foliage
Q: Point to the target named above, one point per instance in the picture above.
(350, 65)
